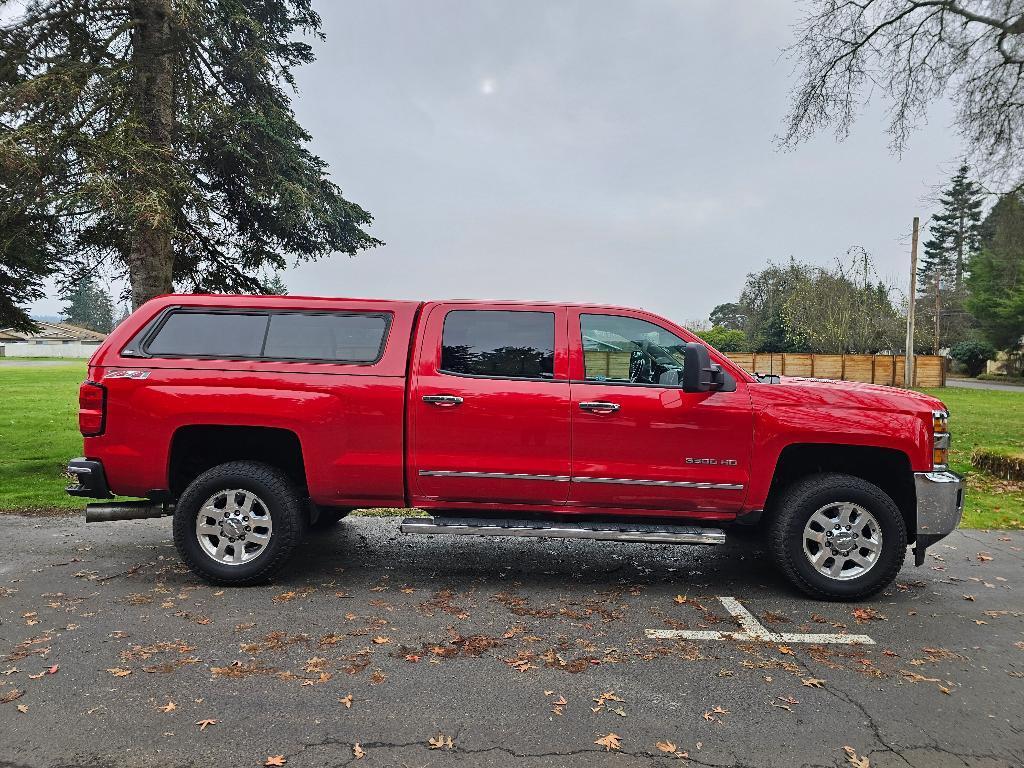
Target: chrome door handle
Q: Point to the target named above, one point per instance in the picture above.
(599, 407)
(448, 400)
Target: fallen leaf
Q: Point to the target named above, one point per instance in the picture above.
(679, 599)
(982, 557)
(11, 695)
(441, 742)
(610, 742)
(381, 640)
(346, 700)
(170, 706)
(560, 701)
(23, 708)
(812, 682)
(276, 760)
(413, 657)
(118, 672)
(864, 615)
(666, 746)
(854, 759)
(969, 597)
(785, 649)
(358, 752)
(204, 723)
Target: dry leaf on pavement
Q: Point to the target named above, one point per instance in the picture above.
(381, 640)
(11, 695)
(204, 723)
(854, 759)
(441, 741)
(610, 742)
(118, 672)
(170, 706)
(346, 700)
(276, 760)
(357, 751)
(666, 746)
(812, 682)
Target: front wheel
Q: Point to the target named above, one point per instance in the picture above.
(838, 537)
(239, 523)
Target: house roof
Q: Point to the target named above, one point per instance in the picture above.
(53, 332)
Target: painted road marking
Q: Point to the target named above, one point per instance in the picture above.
(753, 630)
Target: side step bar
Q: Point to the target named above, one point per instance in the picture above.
(551, 529)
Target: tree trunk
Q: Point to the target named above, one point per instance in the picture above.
(150, 253)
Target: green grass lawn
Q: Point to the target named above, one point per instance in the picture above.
(39, 433)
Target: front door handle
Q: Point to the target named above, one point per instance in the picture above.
(442, 400)
(599, 407)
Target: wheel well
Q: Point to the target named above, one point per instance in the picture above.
(887, 468)
(196, 449)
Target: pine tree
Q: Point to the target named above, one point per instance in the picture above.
(997, 275)
(158, 135)
(89, 306)
(275, 285)
(955, 238)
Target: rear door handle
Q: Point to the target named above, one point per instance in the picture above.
(599, 407)
(443, 400)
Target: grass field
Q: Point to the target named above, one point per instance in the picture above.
(39, 432)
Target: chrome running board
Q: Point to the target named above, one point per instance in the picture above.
(552, 529)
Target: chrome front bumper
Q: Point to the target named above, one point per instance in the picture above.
(940, 505)
(940, 502)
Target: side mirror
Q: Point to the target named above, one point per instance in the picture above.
(699, 373)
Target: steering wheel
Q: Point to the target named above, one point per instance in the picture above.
(640, 364)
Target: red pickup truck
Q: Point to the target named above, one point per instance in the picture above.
(251, 418)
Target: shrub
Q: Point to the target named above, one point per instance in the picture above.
(1006, 466)
(724, 339)
(973, 355)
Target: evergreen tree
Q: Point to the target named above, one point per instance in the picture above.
(997, 275)
(159, 135)
(955, 238)
(275, 286)
(89, 306)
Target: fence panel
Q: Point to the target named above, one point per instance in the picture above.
(929, 371)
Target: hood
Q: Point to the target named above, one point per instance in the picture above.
(855, 394)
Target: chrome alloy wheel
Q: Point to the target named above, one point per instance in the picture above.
(842, 540)
(234, 526)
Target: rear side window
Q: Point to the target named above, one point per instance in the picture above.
(501, 344)
(209, 334)
(317, 337)
(349, 338)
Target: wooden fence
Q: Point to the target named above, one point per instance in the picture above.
(929, 370)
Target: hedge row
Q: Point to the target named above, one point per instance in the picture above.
(1008, 467)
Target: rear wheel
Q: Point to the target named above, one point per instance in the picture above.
(238, 523)
(837, 536)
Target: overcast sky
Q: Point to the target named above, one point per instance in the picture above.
(590, 151)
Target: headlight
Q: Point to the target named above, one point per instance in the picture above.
(940, 439)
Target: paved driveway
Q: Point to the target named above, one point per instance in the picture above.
(522, 652)
(975, 384)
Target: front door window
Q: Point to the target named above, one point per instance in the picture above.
(629, 350)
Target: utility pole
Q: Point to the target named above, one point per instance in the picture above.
(908, 366)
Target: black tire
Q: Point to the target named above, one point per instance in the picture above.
(801, 501)
(280, 499)
(328, 518)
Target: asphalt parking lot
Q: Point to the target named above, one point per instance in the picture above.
(488, 652)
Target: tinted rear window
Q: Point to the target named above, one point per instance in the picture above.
(502, 344)
(327, 337)
(351, 338)
(210, 334)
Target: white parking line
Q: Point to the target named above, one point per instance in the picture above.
(753, 630)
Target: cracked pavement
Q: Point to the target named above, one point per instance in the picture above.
(481, 640)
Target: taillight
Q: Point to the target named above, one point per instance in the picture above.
(92, 408)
